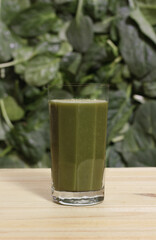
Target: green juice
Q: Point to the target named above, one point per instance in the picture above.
(78, 141)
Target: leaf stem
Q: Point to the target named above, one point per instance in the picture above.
(116, 60)
(13, 63)
(113, 46)
(131, 4)
(79, 10)
(4, 114)
(9, 64)
(128, 91)
(5, 151)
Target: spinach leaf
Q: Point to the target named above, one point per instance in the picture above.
(24, 53)
(139, 145)
(12, 161)
(31, 93)
(149, 84)
(31, 138)
(91, 90)
(57, 81)
(34, 21)
(119, 113)
(11, 8)
(149, 89)
(143, 24)
(148, 111)
(65, 7)
(149, 11)
(3, 129)
(41, 70)
(14, 111)
(28, 142)
(8, 43)
(80, 33)
(96, 9)
(94, 59)
(135, 156)
(65, 48)
(70, 62)
(139, 55)
(114, 159)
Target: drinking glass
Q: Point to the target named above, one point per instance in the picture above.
(78, 126)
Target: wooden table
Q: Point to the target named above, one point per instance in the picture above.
(128, 212)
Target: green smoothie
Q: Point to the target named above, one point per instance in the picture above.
(78, 141)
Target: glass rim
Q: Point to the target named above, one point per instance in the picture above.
(104, 85)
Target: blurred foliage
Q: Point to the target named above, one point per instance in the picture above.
(61, 42)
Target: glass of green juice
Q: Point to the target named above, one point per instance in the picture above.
(78, 127)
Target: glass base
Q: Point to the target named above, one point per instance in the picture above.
(78, 198)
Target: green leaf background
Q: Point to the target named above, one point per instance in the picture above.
(61, 42)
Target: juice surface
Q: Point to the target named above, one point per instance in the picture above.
(78, 141)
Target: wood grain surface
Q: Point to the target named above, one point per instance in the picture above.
(128, 212)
